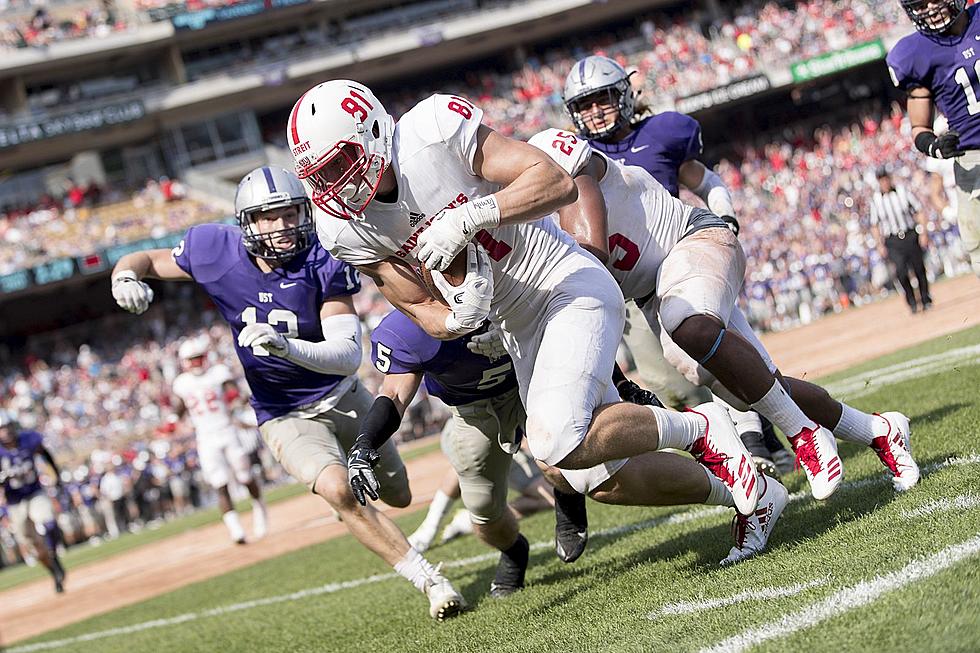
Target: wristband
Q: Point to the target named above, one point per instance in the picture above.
(484, 212)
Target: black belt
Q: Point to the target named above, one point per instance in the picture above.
(902, 234)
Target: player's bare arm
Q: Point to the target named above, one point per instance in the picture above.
(152, 264)
(585, 218)
(533, 184)
(921, 110)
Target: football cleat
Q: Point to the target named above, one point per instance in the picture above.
(894, 448)
(751, 533)
(723, 453)
(444, 601)
(423, 536)
(765, 466)
(510, 573)
(816, 453)
(571, 525)
(459, 526)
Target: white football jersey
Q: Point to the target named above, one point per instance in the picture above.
(644, 220)
(433, 149)
(203, 396)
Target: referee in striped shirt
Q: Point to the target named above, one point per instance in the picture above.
(897, 217)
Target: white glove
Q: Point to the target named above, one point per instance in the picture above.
(453, 228)
(488, 344)
(470, 300)
(130, 293)
(265, 336)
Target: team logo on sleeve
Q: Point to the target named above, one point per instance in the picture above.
(414, 218)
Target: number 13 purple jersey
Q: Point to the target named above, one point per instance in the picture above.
(950, 70)
(288, 298)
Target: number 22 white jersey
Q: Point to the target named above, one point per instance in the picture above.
(203, 395)
(433, 149)
(644, 220)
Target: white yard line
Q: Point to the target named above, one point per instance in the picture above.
(961, 502)
(331, 588)
(849, 598)
(873, 380)
(763, 594)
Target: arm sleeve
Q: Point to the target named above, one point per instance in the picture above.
(338, 353)
(569, 151)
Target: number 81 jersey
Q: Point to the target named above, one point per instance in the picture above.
(288, 298)
(950, 70)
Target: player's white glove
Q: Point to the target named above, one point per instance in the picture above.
(453, 228)
(488, 344)
(265, 336)
(470, 300)
(130, 293)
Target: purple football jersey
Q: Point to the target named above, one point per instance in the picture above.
(451, 371)
(19, 470)
(289, 298)
(659, 144)
(950, 70)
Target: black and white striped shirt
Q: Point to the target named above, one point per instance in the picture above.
(894, 211)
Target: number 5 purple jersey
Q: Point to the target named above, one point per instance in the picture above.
(288, 298)
(949, 69)
(451, 371)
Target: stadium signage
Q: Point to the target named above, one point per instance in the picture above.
(838, 60)
(71, 123)
(194, 20)
(743, 88)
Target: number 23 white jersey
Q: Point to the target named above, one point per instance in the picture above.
(203, 395)
(644, 220)
(434, 146)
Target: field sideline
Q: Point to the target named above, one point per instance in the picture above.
(867, 570)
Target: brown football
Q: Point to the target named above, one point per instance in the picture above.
(455, 274)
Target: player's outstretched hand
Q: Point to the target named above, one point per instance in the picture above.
(488, 344)
(947, 145)
(470, 300)
(360, 471)
(265, 336)
(130, 293)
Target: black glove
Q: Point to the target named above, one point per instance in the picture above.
(732, 223)
(360, 470)
(946, 146)
(634, 394)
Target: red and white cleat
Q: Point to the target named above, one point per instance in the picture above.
(816, 453)
(721, 451)
(894, 448)
(751, 533)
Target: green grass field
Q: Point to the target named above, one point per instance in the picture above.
(861, 572)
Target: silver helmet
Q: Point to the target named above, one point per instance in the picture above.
(268, 188)
(601, 81)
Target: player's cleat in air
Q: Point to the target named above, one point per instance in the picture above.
(511, 569)
(893, 445)
(751, 533)
(459, 526)
(723, 453)
(59, 576)
(816, 453)
(444, 601)
(571, 525)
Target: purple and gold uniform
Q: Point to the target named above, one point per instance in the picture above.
(288, 298)
(658, 144)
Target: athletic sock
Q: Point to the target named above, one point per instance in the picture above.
(440, 505)
(677, 430)
(416, 569)
(855, 426)
(718, 494)
(234, 525)
(781, 410)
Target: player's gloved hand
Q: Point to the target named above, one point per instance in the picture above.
(453, 228)
(634, 394)
(470, 300)
(732, 223)
(360, 470)
(130, 293)
(488, 344)
(265, 336)
(946, 146)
